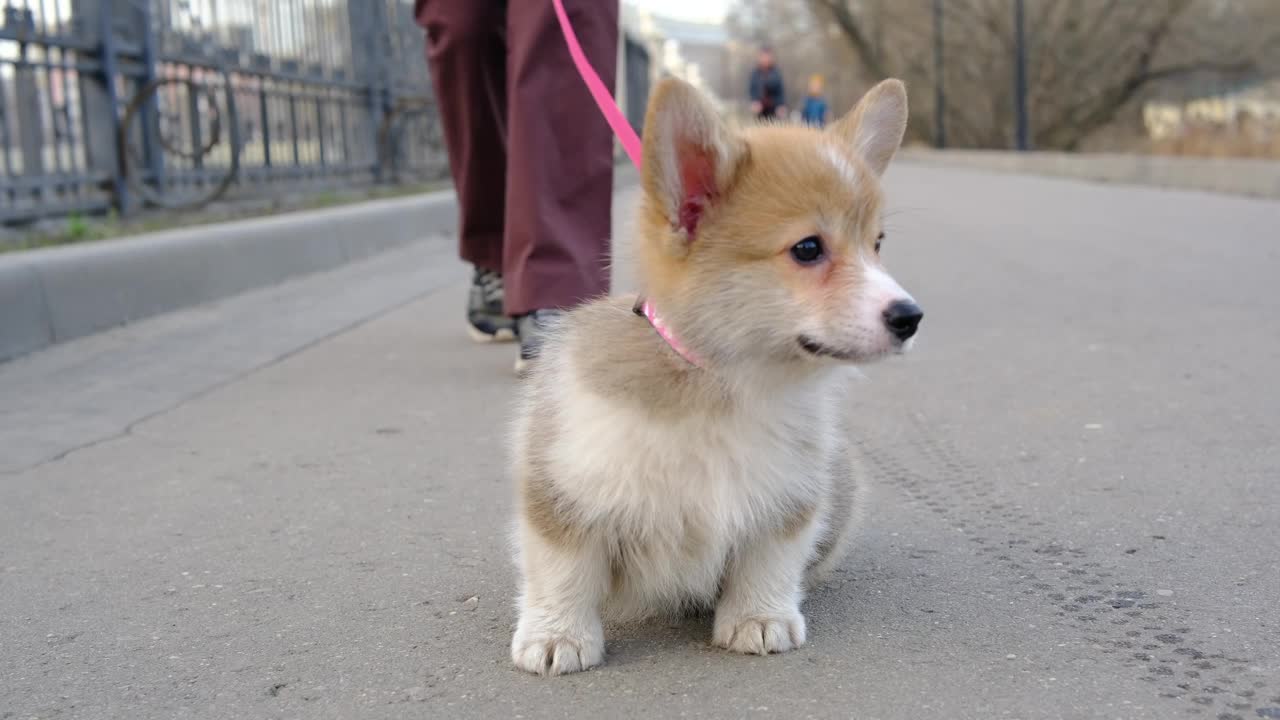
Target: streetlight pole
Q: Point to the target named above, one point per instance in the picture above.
(1020, 75)
(939, 90)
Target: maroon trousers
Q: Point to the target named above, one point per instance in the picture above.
(531, 156)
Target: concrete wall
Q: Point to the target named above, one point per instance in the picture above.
(1236, 176)
(56, 294)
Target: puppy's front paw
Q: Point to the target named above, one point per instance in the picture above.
(551, 653)
(759, 634)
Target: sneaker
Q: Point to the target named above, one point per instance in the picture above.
(532, 329)
(486, 321)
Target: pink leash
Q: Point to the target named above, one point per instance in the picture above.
(631, 144)
(612, 114)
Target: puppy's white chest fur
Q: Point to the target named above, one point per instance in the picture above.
(673, 498)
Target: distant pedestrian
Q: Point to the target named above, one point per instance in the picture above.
(768, 96)
(531, 156)
(815, 110)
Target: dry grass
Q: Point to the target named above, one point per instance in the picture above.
(1249, 140)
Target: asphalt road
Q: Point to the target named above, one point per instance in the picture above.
(292, 504)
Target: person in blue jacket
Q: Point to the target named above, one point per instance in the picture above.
(815, 110)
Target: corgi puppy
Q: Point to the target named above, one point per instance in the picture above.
(687, 448)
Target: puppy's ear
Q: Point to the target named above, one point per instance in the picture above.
(875, 126)
(690, 155)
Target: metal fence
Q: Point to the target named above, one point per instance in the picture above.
(121, 104)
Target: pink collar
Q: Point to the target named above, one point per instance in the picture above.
(649, 312)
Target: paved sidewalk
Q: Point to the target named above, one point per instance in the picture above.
(1075, 483)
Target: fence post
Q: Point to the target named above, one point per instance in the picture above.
(98, 99)
(370, 57)
(150, 132)
(27, 95)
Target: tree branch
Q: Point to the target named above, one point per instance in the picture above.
(1078, 123)
(848, 24)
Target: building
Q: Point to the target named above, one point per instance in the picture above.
(697, 52)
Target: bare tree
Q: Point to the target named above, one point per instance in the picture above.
(1088, 60)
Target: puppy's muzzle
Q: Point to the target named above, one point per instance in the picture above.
(903, 317)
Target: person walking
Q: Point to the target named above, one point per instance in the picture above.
(814, 111)
(768, 97)
(531, 156)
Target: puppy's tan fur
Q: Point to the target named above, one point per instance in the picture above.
(648, 484)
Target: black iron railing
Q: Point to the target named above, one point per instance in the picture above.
(122, 104)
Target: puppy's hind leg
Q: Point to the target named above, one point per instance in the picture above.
(564, 583)
(845, 502)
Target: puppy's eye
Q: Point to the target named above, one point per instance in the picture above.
(879, 239)
(808, 250)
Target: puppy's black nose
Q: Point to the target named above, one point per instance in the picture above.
(902, 317)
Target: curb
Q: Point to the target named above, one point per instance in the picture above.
(1232, 176)
(52, 295)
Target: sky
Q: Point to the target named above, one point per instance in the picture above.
(705, 10)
